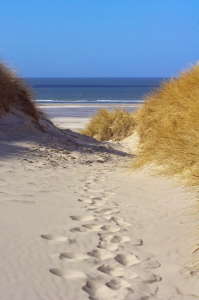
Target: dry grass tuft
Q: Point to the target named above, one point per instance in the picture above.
(168, 127)
(15, 93)
(110, 125)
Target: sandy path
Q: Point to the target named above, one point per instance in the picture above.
(76, 225)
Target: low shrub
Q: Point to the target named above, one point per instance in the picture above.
(110, 125)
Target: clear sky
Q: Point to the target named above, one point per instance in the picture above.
(99, 38)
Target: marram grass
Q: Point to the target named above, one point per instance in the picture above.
(15, 93)
(168, 127)
(110, 125)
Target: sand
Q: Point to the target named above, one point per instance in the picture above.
(76, 224)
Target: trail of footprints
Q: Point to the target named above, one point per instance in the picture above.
(128, 275)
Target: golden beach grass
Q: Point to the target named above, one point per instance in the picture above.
(110, 125)
(168, 127)
(15, 93)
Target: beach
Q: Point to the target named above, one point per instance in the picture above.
(99, 150)
(75, 115)
(76, 223)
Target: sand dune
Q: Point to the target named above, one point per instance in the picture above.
(75, 224)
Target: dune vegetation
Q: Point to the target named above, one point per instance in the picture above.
(110, 125)
(15, 93)
(168, 128)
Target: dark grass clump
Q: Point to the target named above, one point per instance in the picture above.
(15, 93)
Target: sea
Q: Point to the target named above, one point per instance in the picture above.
(93, 90)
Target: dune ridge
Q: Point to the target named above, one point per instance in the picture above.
(14, 92)
(74, 224)
(167, 132)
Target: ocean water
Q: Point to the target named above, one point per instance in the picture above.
(92, 90)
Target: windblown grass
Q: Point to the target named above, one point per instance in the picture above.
(168, 127)
(15, 93)
(110, 125)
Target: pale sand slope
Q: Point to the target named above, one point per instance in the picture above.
(75, 226)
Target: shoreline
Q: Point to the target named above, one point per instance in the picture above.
(80, 105)
(75, 116)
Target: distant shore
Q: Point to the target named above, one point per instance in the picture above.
(74, 104)
(75, 115)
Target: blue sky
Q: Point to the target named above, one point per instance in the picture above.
(99, 38)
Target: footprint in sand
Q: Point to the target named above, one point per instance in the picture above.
(118, 283)
(97, 198)
(69, 274)
(98, 203)
(85, 200)
(96, 290)
(107, 246)
(149, 278)
(82, 218)
(73, 256)
(100, 254)
(148, 263)
(90, 208)
(92, 227)
(111, 270)
(103, 212)
(109, 193)
(94, 191)
(117, 271)
(127, 259)
(87, 228)
(120, 239)
(107, 211)
(88, 180)
(105, 237)
(54, 238)
(111, 228)
(79, 229)
(90, 185)
(120, 221)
